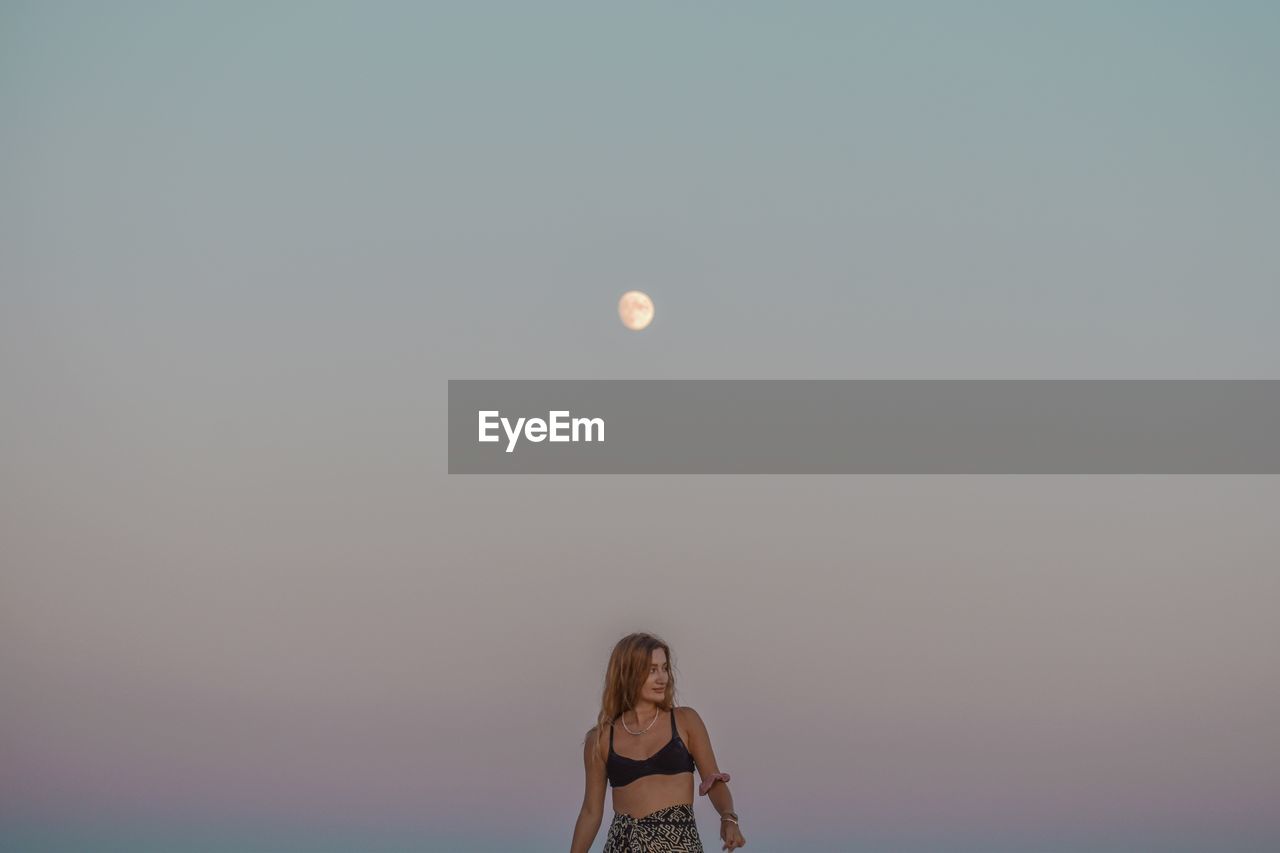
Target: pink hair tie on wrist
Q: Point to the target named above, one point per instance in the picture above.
(711, 780)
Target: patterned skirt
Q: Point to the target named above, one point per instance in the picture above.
(669, 830)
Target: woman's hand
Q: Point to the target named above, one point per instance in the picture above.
(731, 835)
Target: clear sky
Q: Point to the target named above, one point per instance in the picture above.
(244, 245)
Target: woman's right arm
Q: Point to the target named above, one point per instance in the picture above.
(588, 825)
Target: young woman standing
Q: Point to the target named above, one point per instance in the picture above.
(646, 749)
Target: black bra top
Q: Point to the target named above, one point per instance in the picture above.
(672, 758)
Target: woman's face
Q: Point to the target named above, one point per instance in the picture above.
(655, 686)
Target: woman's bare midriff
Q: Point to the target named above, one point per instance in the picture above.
(650, 793)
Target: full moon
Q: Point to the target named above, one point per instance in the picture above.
(635, 309)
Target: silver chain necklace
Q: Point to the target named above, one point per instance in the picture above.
(623, 717)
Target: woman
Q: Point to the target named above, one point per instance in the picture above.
(647, 749)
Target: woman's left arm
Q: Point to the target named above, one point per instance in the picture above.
(705, 759)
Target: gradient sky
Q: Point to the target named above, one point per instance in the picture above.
(244, 245)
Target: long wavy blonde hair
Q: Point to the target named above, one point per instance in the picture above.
(625, 676)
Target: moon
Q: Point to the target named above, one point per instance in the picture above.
(635, 309)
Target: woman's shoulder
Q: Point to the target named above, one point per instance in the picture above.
(687, 721)
(593, 745)
(596, 731)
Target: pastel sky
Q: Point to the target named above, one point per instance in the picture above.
(244, 245)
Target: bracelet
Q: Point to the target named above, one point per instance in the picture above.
(732, 817)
